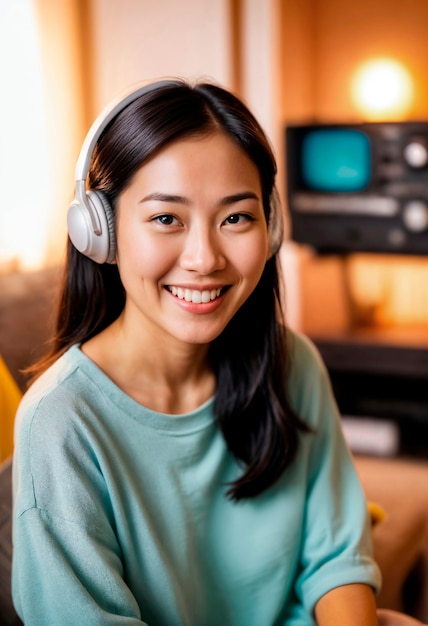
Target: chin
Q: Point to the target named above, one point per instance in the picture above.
(199, 337)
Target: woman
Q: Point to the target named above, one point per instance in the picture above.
(180, 459)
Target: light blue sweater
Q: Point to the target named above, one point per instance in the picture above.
(121, 517)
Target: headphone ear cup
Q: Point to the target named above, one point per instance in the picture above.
(107, 212)
(276, 223)
(91, 227)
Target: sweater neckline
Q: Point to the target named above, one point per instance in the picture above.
(173, 424)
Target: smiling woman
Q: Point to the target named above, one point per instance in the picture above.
(180, 459)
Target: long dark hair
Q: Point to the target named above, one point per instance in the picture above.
(250, 357)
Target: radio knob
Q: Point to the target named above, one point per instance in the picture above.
(415, 215)
(416, 153)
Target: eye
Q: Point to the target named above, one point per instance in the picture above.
(166, 220)
(238, 218)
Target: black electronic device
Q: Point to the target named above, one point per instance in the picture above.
(359, 187)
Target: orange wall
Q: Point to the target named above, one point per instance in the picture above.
(298, 59)
(325, 41)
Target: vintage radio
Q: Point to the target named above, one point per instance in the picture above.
(359, 187)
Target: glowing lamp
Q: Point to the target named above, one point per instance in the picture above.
(382, 89)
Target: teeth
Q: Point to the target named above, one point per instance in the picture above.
(195, 296)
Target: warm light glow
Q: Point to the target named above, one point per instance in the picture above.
(390, 290)
(23, 152)
(382, 89)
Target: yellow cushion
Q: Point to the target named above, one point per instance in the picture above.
(377, 513)
(10, 397)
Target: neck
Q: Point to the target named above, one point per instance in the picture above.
(162, 374)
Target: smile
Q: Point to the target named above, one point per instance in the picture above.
(194, 295)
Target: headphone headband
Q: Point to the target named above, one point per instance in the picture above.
(104, 118)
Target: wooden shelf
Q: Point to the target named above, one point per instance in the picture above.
(389, 351)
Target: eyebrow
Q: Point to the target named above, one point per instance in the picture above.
(237, 197)
(164, 197)
(176, 199)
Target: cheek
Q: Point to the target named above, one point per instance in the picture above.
(142, 256)
(252, 264)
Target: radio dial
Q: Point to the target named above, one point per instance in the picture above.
(416, 153)
(415, 215)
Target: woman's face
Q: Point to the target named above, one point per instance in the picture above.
(192, 239)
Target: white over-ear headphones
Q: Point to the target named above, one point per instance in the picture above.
(90, 218)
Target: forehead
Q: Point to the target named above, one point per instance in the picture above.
(214, 157)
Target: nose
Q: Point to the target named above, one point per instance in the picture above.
(202, 251)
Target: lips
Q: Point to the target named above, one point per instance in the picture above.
(194, 295)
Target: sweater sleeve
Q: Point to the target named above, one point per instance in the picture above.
(67, 566)
(336, 547)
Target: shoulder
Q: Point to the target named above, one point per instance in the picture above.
(54, 396)
(305, 359)
(308, 384)
(54, 433)
(56, 376)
